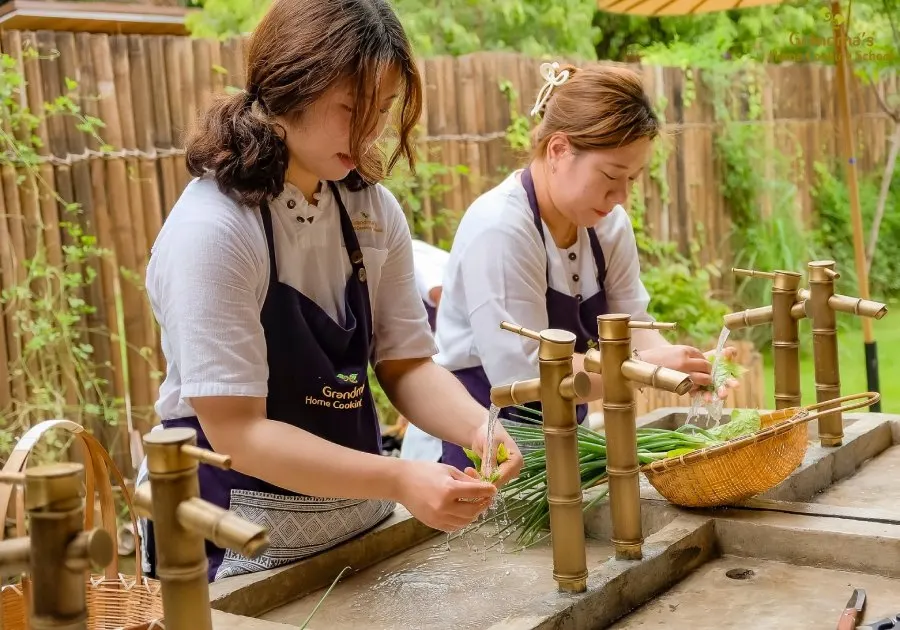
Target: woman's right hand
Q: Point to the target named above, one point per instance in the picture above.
(441, 496)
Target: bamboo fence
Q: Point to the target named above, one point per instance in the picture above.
(149, 89)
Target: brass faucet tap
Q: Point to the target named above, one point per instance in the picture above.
(57, 551)
(619, 370)
(183, 521)
(784, 314)
(820, 304)
(557, 388)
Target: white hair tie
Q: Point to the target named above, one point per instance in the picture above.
(552, 78)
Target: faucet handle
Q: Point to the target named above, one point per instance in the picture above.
(753, 273)
(519, 330)
(652, 325)
(206, 456)
(12, 477)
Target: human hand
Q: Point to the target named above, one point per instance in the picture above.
(508, 469)
(729, 353)
(442, 497)
(685, 359)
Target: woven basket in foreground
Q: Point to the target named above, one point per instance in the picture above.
(114, 601)
(736, 470)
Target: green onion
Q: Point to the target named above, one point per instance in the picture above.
(527, 497)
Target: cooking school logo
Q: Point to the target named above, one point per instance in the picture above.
(809, 47)
(366, 223)
(339, 399)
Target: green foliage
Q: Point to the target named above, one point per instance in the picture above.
(53, 370)
(679, 287)
(834, 232)
(518, 133)
(225, 18)
(386, 413)
(532, 27)
(419, 194)
(454, 27)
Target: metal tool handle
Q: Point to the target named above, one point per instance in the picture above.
(207, 457)
(752, 273)
(12, 477)
(652, 325)
(519, 330)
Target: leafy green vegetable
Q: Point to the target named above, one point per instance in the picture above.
(678, 452)
(474, 457)
(743, 422)
(725, 369)
(528, 506)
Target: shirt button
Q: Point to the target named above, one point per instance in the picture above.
(572, 256)
(292, 204)
(575, 277)
(301, 220)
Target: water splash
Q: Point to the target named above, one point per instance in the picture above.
(490, 457)
(714, 408)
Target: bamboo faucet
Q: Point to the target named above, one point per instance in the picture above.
(614, 363)
(784, 315)
(820, 304)
(183, 521)
(57, 551)
(557, 388)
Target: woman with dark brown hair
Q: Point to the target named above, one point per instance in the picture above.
(552, 246)
(284, 270)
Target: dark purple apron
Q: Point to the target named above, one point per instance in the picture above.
(307, 350)
(432, 314)
(565, 312)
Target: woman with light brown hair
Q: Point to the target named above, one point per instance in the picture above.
(552, 245)
(283, 271)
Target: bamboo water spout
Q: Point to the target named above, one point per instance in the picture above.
(183, 521)
(557, 388)
(820, 304)
(613, 361)
(57, 551)
(784, 314)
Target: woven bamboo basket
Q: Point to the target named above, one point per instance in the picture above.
(736, 470)
(114, 601)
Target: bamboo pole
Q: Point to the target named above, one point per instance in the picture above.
(76, 62)
(162, 119)
(139, 422)
(44, 83)
(848, 148)
(14, 274)
(110, 195)
(19, 186)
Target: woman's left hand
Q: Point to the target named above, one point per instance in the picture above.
(509, 469)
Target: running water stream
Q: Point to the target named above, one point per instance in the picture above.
(490, 456)
(714, 407)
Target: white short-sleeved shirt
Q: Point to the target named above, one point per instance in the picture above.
(430, 262)
(497, 272)
(209, 272)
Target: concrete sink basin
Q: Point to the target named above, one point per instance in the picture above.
(787, 558)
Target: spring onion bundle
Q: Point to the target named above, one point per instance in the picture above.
(526, 496)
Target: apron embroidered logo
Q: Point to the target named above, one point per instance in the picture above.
(348, 378)
(366, 224)
(336, 399)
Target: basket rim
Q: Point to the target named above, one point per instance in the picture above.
(797, 416)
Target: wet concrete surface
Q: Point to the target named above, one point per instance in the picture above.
(874, 486)
(773, 595)
(463, 586)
